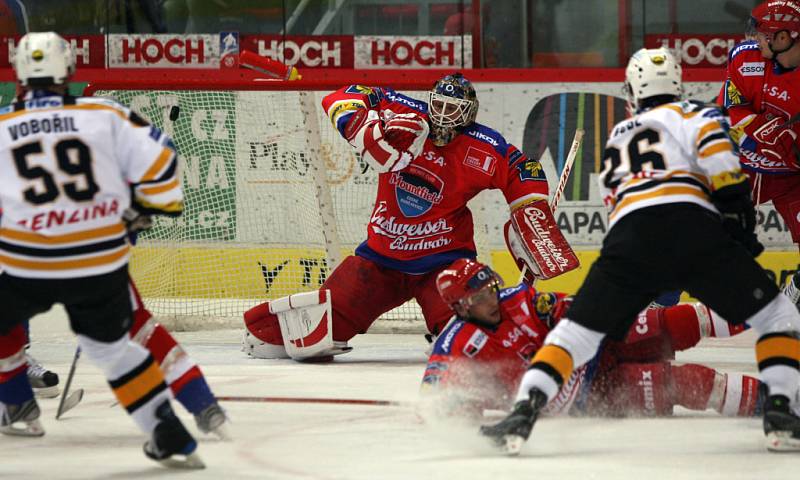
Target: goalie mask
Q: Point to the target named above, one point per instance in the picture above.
(652, 73)
(467, 282)
(43, 59)
(453, 105)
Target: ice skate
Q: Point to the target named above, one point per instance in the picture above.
(43, 381)
(214, 421)
(171, 445)
(781, 425)
(21, 420)
(512, 432)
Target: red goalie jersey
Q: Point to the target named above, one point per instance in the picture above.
(421, 221)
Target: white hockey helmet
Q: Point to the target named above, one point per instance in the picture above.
(650, 73)
(42, 59)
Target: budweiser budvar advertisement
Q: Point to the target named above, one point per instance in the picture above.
(696, 50)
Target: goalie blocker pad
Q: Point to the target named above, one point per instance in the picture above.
(535, 241)
(306, 325)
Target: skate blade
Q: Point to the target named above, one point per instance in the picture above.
(70, 402)
(31, 429)
(46, 392)
(222, 432)
(183, 462)
(513, 444)
(782, 442)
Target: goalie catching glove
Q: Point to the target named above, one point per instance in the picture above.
(537, 244)
(388, 145)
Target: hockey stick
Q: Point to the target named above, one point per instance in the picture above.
(67, 403)
(577, 140)
(330, 401)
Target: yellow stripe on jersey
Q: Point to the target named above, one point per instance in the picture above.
(172, 207)
(727, 178)
(710, 127)
(107, 231)
(714, 148)
(65, 264)
(678, 110)
(160, 188)
(341, 107)
(657, 191)
(161, 162)
(84, 106)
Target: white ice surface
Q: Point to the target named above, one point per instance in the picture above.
(342, 442)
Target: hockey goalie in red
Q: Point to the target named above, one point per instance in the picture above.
(431, 159)
(480, 357)
(762, 96)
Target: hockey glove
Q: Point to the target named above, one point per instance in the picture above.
(136, 222)
(738, 215)
(770, 138)
(388, 146)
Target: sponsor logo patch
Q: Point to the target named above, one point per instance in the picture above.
(530, 170)
(417, 189)
(475, 343)
(751, 69)
(480, 160)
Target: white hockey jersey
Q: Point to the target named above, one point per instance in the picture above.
(68, 167)
(677, 152)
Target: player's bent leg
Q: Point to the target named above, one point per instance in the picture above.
(640, 389)
(182, 374)
(698, 387)
(19, 412)
(778, 356)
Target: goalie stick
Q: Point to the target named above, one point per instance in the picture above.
(577, 140)
(68, 402)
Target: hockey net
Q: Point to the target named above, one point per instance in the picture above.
(274, 197)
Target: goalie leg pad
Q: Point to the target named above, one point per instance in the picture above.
(305, 321)
(535, 241)
(262, 333)
(15, 389)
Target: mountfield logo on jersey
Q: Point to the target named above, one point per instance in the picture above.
(417, 189)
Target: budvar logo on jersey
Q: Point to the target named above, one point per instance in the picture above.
(417, 189)
(409, 236)
(412, 51)
(163, 51)
(696, 50)
(305, 51)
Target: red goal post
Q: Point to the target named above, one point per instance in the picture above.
(274, 197)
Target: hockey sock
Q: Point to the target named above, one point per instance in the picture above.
(133, 375)
(550, 367)
(688, 323)
(180, 371)
(15, 389)
(192, 391)
(778, 356)
(698, 387)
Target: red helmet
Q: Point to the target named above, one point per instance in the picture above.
(773, 16)
(463, 278)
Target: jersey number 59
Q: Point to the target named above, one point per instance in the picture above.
(73, 158)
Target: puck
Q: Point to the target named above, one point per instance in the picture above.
(174, 112)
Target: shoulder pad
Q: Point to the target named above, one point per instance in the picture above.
(488, 135)
(396, 97)
(511, 291)
(444, 343)
(6, 109)
(102, 101)
(747, 45)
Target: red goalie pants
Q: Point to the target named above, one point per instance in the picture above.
(362, 290)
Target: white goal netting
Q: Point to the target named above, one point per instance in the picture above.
(257, 224)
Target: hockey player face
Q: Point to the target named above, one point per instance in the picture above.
(482, 305)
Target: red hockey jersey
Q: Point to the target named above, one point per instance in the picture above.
(756, 85)
(482, 365)
(420, 220)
